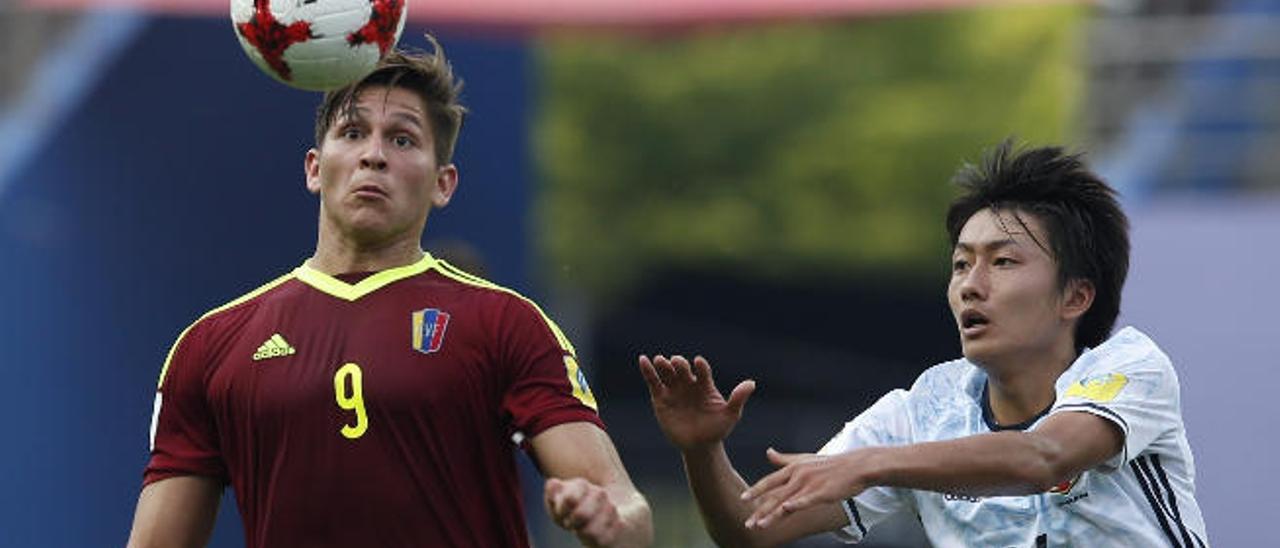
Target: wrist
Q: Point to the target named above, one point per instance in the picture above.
(701, 453)
(878, 466)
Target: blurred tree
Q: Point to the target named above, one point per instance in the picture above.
(793, 150)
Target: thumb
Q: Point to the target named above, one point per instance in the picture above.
(550, 489)
(782, 459)
(552, 484)
(738, 398)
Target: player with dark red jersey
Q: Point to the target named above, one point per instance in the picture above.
(375, 395)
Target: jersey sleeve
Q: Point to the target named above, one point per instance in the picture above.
(548, 387)
(884, 423)
(1131, 383)
(184, 438)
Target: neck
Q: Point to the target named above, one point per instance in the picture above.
(337, 253)
(1020, 391)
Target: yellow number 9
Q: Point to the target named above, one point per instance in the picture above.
(351, 401)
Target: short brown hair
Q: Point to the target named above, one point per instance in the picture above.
(428, 74)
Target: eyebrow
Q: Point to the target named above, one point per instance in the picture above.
(411, 117)
(362, 112)
(989, 246)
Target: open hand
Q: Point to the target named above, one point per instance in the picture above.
(686, 402)
(803, 480)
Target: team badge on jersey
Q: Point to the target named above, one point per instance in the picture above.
(428, 329)
(1101, 388)
(1064, 487)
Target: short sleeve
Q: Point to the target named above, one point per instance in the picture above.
(1129, 382)
(887, 422)
(547, 385)
(184, 437)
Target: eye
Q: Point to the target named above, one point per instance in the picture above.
(403, 141)
(959, 265)
(1004, 261)
(351, 133)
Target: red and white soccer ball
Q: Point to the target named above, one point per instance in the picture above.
(317, 45)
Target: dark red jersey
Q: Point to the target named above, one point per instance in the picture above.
(380, 413)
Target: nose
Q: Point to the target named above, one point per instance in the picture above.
(372, 157)
(973, 284)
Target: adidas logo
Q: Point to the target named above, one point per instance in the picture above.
(274, 348)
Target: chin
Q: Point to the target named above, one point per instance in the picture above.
(977, 352)
(368, 232)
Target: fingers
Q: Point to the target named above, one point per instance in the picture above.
(783, 459)
(770, 504)
(563, 499)
(776, 495)
(656, 388)
(683, 369)
(797, 503)
(767, 514)
(779, 477)
(789, 499)
(803, 481)
(584, 508)
(738, 398)
(666, 371)
(661, 373)
(553, 498)
(772, 481)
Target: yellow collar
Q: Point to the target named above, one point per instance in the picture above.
(351, 292)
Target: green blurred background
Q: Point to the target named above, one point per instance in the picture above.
(792, 150)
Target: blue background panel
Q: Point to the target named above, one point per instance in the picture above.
(176, 187)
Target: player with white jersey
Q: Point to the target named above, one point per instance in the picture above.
(1050, 431)
(1143, 496)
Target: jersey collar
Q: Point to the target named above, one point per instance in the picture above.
(350, 292)
(989, 417)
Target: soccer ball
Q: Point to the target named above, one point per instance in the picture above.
(317, 45)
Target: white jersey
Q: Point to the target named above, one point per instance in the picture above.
(1144, 496)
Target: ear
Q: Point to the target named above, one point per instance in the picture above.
(445, 184)
(312, 168)
(1077, 297)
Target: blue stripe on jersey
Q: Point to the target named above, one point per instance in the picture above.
(853, 510)
(1173, 499)
(1165, 503)
(1155, 503)
(1109, 413)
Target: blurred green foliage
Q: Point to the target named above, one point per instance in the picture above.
(793, 150)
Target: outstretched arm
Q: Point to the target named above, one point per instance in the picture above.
(176, 512)
(696, 419)
(999, 463)
(588, 491)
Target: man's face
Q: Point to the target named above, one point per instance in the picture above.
(376, 172)
(1004, 291)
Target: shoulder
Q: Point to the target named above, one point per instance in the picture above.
(953, 377)
(241, 306)
(249, 301)
(482, 291)
(1127, 374)
(1128, 350)
(215, 320)
(939, 394)
(1132, 346)
(511, 307)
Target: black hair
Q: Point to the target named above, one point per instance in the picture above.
(1087, 230)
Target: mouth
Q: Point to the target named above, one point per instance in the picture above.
(973, 323)
(369, 190)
